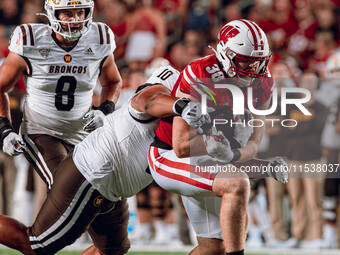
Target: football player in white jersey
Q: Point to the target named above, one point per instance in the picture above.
(61, 63)
(109, 163)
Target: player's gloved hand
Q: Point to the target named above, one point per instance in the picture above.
(218, 146)
(13, 144)
(191, 113)
(242, 130)
(278, 169)
(95, 119)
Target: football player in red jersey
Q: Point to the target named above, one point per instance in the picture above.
(179, 154)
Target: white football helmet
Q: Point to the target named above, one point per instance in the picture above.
(333, 65)
(51, 6)
(243, 41)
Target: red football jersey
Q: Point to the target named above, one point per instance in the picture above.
(199, 77)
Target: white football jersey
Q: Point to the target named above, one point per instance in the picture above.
(166, 75)
(113, 158)
(60, 83)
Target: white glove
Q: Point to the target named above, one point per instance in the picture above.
(192, 115)
(218, 146)
(242, 130)
(95, 119)
(13, 144)
(278, 169)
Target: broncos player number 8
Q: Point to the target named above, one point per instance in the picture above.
(60, 93)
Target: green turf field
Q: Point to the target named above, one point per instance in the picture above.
(4, 251)
(10, 252)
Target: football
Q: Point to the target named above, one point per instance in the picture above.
(224, 120)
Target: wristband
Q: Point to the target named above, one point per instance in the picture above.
(5, 128)
(179, 105)
(106, 107)
(237, 155)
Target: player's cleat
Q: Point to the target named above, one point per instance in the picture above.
(330, 237)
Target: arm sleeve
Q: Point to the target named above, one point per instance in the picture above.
(186, 80)
(112, 39)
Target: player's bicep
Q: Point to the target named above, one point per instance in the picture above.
(11, 71)
(149, 96)
(109, 72)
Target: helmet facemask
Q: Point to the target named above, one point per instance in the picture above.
(52, 10)
(245, 70)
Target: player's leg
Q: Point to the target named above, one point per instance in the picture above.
(92, 250)
(204, 215)
(109, 230)
(160, 206)
(45, 153)
(14, 235)
(330, 202)
(186, 177)
(234, 189)
(69, 209)
(143, 231)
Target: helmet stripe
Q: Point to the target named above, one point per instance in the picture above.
(259, 32)
(252, 33)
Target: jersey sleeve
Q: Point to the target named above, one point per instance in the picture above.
(267, 90)
(186, 80)
(105, 38)
(16, 44)
(112, 39)
(165, 75)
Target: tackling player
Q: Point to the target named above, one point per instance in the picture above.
(109, 163)
(177, 155)
(61, 63)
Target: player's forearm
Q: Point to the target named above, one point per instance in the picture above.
(155, 100)
(4, 105)
(111, 92)
(186, 141)
(160, 105)
(248, 152)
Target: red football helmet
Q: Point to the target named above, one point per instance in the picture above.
(243, 51)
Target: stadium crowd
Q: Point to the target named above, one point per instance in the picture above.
(304, 37)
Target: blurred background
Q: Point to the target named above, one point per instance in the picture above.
(304, 36)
